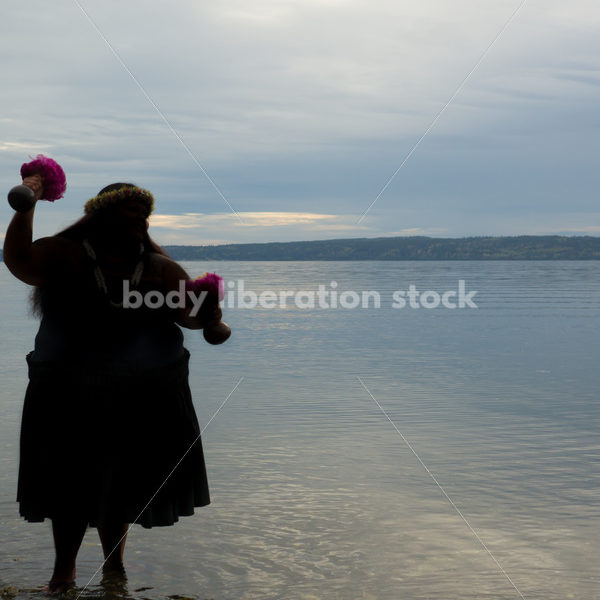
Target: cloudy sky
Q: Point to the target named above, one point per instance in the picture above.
(276, 120)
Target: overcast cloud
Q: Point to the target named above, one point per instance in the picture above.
(300, 112)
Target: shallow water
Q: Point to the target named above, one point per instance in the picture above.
(476, 476)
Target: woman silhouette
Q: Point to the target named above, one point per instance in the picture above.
(109, 435)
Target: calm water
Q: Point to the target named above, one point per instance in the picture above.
(317, 494)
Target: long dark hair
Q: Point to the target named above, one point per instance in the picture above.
(90, 226)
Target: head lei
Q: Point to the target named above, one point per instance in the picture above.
(120, 195)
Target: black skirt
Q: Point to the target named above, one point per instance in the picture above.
(110, 445)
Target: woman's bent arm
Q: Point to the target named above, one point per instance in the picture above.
(189, 317)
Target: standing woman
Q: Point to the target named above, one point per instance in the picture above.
(109, 435)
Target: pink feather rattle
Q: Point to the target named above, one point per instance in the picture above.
(209, 282)
(214, 331)
(22, 198)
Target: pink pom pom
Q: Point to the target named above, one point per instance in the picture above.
(210, 282)
(54, 180)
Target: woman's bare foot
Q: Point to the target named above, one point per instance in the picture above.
(63, 578)
(59, 586)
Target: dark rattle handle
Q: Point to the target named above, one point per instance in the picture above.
(216, 332)
(21, 198)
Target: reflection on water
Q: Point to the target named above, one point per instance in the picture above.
(316, 495)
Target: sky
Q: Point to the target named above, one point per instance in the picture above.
(281, 120)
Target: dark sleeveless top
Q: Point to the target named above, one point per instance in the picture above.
(80, 326)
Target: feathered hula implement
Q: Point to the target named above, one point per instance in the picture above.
(209, 282)
(22, 198)
(215, 331)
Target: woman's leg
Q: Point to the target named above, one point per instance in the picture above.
(68, 533)
(113, 537)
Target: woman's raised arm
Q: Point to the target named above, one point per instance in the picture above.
(27, 260)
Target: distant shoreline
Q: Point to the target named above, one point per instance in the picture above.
(523, 247)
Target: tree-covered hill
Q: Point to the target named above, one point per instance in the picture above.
(404, 248)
